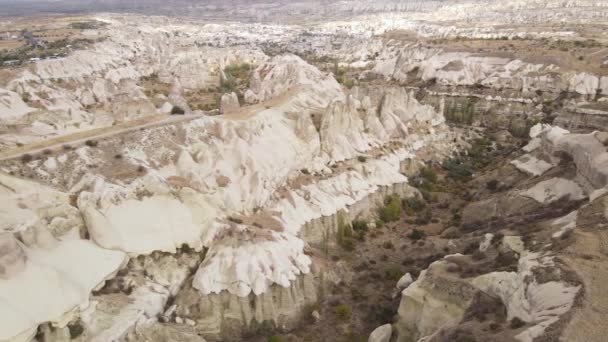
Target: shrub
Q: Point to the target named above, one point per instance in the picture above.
(47, 152)
(177, 111)
(516, 323)
(348, 244)
(75, 329)
(359, 226)
(25, 97)
(347, 82)
(492, 185)
(424, 217)
(458, 169)
(429, 175)
(118, 156)
(413, 205)
(238, 70)
(26, 158)
(379, 223)
(388, 245)
(141, 169)
(275, 338)
(416, 235)
(235, 220)
(393, 273)
(392, 209)
(362, 159)
(342, 312)
(91, 143)
(344, 235)
(460, 114)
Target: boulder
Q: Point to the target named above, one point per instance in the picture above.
(381, 334)
(404, 281)
(229, 102)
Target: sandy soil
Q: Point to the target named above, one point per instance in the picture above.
(588, 256)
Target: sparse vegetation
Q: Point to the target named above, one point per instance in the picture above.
(393, 273)
(492, 185)
(344, 234)
(57, 48)
(235, 220)
(461, 113)
(237, 78)
(275, 338)
(91, 143)
(416, 235)
(341, 77)
(388, 245)
(342, 312)
(88, 25)
(516, 323)
(75, 329)
(413, 205)
(26, 158)
(521, 128)
(478, 156)
(391, 210)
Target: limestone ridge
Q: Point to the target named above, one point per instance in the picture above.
(467, 69)
(212, 169)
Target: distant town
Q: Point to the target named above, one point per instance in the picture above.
(31, 45)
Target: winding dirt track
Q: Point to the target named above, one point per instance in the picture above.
(80, 138)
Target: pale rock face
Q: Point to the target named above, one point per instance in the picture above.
(538, 303)
(531, 165)
(99, 86)
(555, 189)
(25, 204)
(285, 72)
(432, 302)
(565, 224)
(223, 314)
(159, 332)
(487, 241)
(381, 334)
(341, 132)
(404, 281)
(122, 226)
(585, 84)
(229, 102)
(110, 317)
(252, 262)
(604, 84)
(399, 109)
(467, 69)
(12, 107)
(437, 300)
(53, 274)
(586, 151)
(250, 97)
(221, 167)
